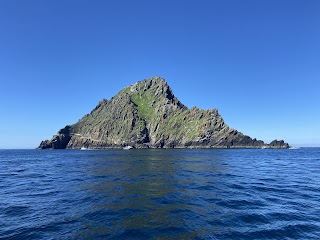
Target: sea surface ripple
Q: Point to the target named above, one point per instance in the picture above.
(160, 194)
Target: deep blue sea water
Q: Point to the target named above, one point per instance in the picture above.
(160, 194)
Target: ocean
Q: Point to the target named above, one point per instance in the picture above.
(160, 194)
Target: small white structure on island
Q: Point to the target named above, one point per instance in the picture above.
(127, 148)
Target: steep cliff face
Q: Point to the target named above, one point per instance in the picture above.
(148, 115)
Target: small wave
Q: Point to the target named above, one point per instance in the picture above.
(15, 211)
(291, 231)
(254, 218)
(240, 204)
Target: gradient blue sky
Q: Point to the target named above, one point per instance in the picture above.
(258, 62)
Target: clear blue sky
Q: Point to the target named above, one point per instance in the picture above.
(258, 62)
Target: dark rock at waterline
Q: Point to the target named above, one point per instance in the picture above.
(59, 141)
(279, 144)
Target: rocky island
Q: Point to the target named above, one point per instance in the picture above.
(148, 115)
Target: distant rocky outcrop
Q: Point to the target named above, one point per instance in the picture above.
(148, 115)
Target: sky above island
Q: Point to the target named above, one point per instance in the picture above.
(258, 62)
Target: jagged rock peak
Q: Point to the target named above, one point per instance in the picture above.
(155, 83)
(155, 88)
